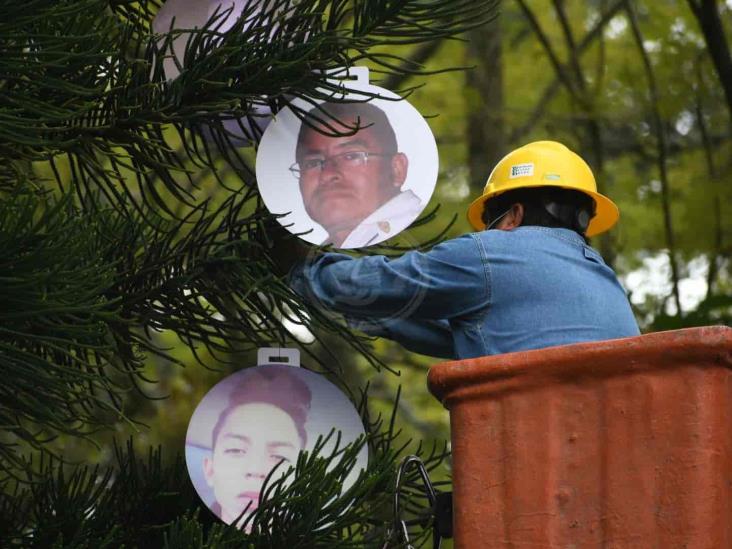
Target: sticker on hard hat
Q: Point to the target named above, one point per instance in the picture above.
(522, 170)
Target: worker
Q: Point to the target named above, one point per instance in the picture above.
(527, 280)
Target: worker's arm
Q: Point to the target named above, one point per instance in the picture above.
(426, 337)
(450, 280)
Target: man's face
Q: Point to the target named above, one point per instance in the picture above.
(252, 441)
(342, 191)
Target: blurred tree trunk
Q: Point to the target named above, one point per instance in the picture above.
(551, 90)
(419, 57)
(484, 99)
(707, 14)
(710, 23)
(714, 254)
(572, 76)
(661, 158)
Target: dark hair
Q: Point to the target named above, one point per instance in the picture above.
(344, 117)
(544, 207)
(275, 385)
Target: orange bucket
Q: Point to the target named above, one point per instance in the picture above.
(624, 443)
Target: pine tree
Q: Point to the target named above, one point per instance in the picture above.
(109, 233)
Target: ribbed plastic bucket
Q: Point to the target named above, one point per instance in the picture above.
(624, 443)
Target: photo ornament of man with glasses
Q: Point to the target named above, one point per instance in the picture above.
(352, 174)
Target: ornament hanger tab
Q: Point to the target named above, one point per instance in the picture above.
(360, 75)
(278, 355)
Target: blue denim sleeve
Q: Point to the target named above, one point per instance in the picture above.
(448, 281)
(426, 337)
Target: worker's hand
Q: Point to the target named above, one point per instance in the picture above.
(283, 248)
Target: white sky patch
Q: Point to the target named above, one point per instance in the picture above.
(678, 26)
(616, 27)
(652, 46)
(693, 288)
(684, 122)
(641, 192)
(298, 331)
(654, 278)
(652, 187)
(457, 186)
(684, 34)
(592, 18)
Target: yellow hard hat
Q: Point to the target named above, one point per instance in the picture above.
(545, 164)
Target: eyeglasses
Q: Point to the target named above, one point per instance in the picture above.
(343, 161)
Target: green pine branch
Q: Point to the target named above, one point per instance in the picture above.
(143, 502)
(127, 208)
(83, 293)
(85, 80)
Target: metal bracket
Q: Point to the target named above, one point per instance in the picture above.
(443, 515)
(440, 502)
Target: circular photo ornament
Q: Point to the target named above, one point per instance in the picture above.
(260, 418)
(351, 174)
(185, 18)
(190, 15)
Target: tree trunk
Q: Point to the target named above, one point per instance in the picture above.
(484, 98)
(711, 26)
(659, 128)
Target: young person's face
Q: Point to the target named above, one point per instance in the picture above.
(345, 188)
(253, 439)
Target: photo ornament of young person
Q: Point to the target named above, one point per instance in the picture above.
(353, 173)
(259, 418)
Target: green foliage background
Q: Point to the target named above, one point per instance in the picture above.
(136, 304)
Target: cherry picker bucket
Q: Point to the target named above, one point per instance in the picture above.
(613, 444)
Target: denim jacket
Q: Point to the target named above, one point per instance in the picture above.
(483, 293)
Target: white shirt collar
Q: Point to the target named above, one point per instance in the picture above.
(390, 218)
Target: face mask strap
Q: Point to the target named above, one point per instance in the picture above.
(497, 219)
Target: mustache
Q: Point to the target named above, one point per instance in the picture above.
(344, 189)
